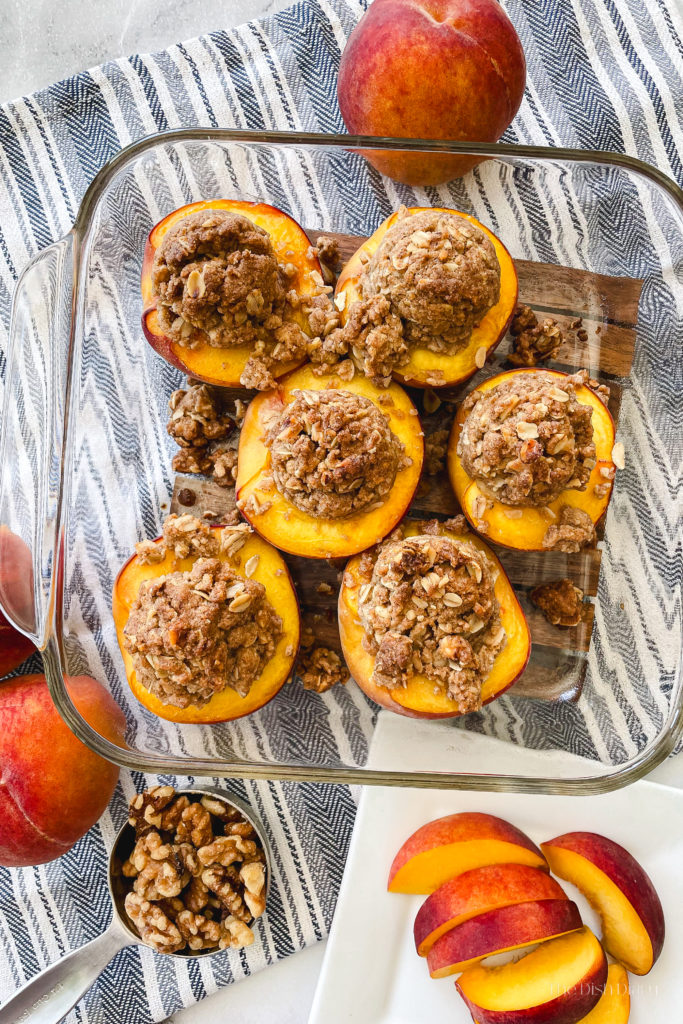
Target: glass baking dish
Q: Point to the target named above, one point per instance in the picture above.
(85, 458)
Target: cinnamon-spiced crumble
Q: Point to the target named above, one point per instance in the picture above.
(528, 439)
(333, 453)
(429, 607)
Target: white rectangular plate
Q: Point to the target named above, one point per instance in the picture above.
(371, 973)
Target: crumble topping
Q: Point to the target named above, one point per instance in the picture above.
(560, 601)
(319, 668)
(197, 872)
(429, 607)
(217, 281)
(333, 453)
(204, 431)
(436, 447)
(528, 439)
(532, 342)
(193, 633)
(573, 531)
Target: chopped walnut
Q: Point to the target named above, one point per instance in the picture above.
(560, 601)
(193, 633)
(573, 531)
(179, 900)
(528, 439)
(333, 453)
(429, 607)
(532, 342)
(154, 927)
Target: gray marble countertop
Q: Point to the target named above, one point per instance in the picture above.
(42, 41)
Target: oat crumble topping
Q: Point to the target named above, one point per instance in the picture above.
(197, 872)
(217, 281)
(560, 601)
(193, 633)
(429, 607)
(573, 531)
(205, 432)
(532, 342)
(319, 668)
(528, 439)
(333, 453)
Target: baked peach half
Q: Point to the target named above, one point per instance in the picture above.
(430, 571)
(456, 843)
(558, 983)
(501, 930)
(242, 278)
(327, 467)
(534, 471)
(197, 622)
(427, 364)
(619, 889)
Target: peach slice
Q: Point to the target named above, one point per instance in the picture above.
(226, 705)
(419, 699)
(614, 1006)
(476, 892)
(423, 363)
(456, 843)
(288, 527)
(526, 532)
(620, 891)
(558, 983)
(224, 366)
(501, 931)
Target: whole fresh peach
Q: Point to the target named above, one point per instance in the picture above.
(431, 69)
(16, 591)
(52, 787)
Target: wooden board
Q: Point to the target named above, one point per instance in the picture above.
(608, 307)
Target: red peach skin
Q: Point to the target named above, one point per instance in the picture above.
(617, 887)
(52, 788)
(448, 846)
(477, 891)
(558, 983)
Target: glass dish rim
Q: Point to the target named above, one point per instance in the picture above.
(52, 647)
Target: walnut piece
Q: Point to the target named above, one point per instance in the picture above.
(197, 872)
(560, 601)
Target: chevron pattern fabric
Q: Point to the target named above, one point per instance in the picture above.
(602, 74)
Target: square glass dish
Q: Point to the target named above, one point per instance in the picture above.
(86, 461)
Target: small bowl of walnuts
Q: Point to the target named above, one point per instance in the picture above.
(190, 871)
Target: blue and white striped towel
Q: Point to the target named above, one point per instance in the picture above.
(602, 74)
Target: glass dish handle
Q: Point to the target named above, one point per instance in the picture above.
(31, 438)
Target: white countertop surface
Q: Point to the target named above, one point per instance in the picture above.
(42, 41)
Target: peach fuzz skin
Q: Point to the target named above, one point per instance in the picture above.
(501, 930)
(227, 704)
(526, 532)
(620, 891)
(456, 843)
(16, 590)
(52, 788)
(477, 891)
(223, 366)
(288, 527)
(558, 983)
(418, 699)
(488, 334)
(444, 69)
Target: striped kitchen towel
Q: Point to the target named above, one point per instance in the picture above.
(603, 75)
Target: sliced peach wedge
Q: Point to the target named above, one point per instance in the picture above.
(614, 1006)
(271, 570)
(423, 363)
(620, 891)
(526, 530)
(419, 698)
(456, 843)
(224, 366)
(476, 892)
(290, 528)
(558, 983)
(501, 930)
